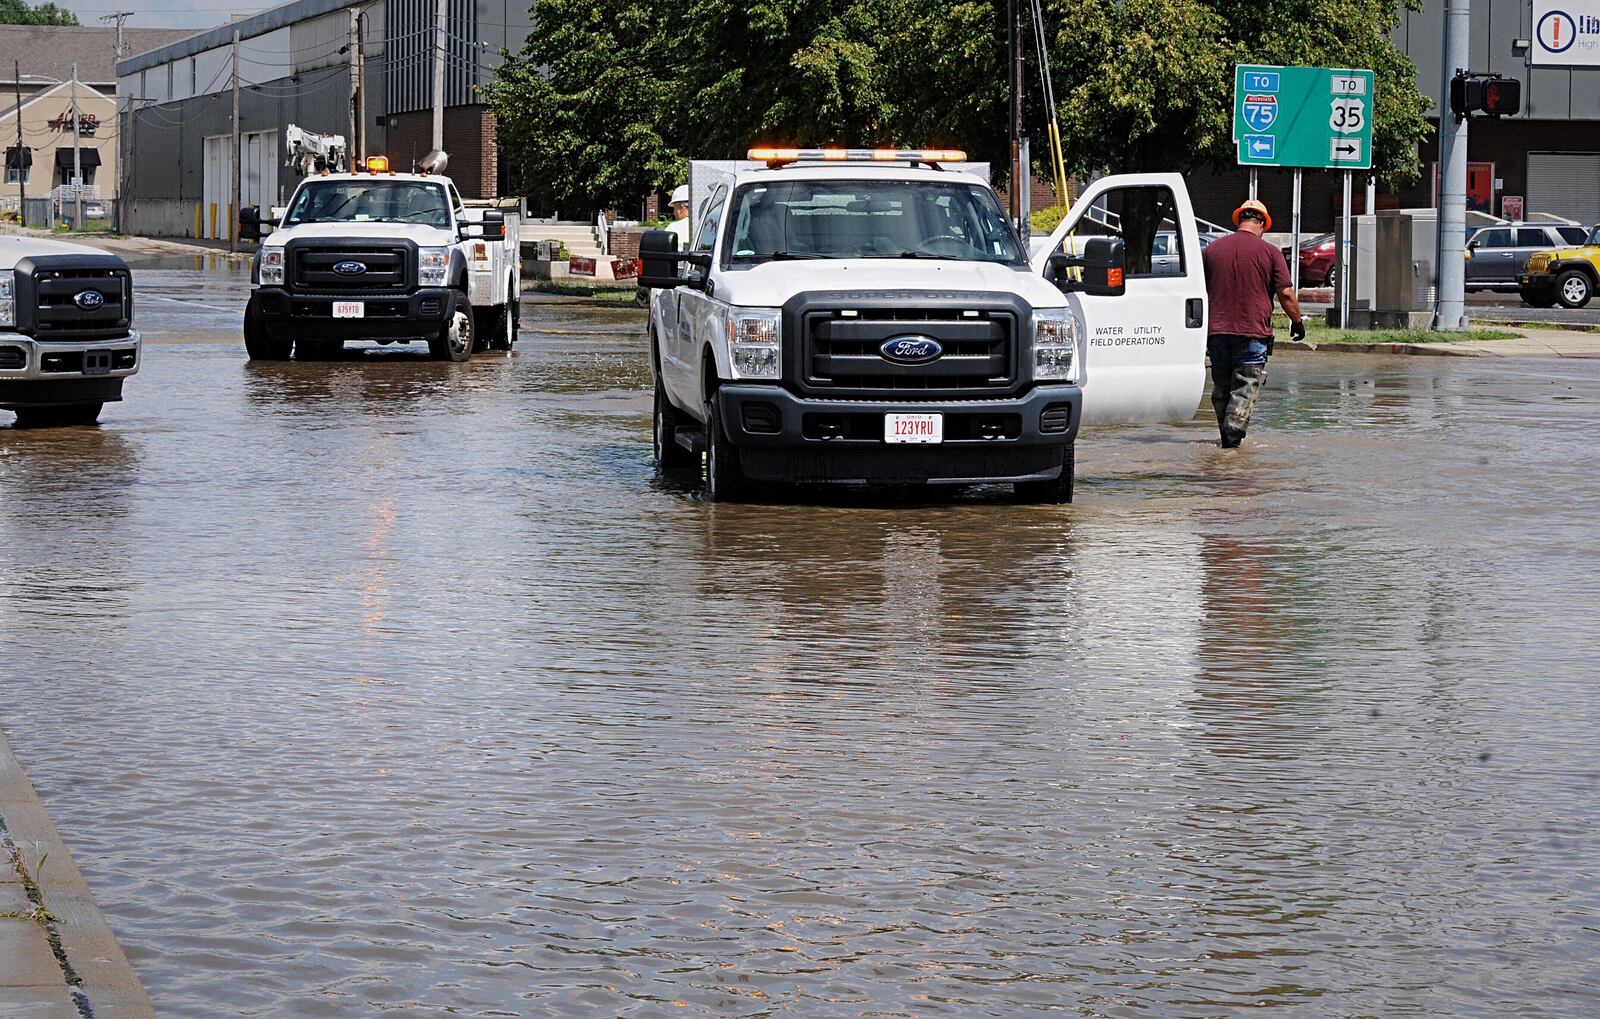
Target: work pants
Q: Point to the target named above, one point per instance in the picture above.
(1238, 371)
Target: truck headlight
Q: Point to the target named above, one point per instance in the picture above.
(1055, 345)
(8, 299)
(433, 267)
(272, 267)
(755, 342)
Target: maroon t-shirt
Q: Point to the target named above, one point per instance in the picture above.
(1243, 272)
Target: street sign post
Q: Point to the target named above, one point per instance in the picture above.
(1311, 117)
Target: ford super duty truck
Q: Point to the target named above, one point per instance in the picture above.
(872, 317)
(67, 339)
(381, 256)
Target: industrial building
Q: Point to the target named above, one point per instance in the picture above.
(363, 70)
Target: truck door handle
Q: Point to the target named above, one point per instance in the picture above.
(1194, 312)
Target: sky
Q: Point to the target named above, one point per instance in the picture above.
(165, 13)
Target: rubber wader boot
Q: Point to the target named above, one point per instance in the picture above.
(1247, 382)
(1221, 383)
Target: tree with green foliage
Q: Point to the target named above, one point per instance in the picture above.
(609, 99)
(19, 12)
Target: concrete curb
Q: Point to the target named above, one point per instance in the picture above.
(69, 966)
(1340, 347)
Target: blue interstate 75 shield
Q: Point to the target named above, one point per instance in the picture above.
(1260, 111)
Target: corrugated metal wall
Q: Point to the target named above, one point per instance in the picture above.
(409, 54)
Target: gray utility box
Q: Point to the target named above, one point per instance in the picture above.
(1393, 270)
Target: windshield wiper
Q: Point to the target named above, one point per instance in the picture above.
(922, 254)
(785, 256)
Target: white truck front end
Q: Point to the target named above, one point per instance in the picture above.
(67, 339)
(884, 324)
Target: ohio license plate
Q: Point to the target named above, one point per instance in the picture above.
(349, 309)
(913, 428)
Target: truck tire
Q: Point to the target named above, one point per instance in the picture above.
(1574, 288)
(257, 344)
(669, 455)
(725, 481)
(1055, 491)
(1537, 301)
(456, 336)
(57, 417)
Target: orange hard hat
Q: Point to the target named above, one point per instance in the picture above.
(1253, 206)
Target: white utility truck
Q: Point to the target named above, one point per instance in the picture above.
(67, 339)
(382, 256)
(869, 317)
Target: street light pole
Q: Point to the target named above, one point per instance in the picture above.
(439, 38)
(1450, 301)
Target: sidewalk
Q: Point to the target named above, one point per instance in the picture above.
(1533, 343)
(127, 244)
(58, 957)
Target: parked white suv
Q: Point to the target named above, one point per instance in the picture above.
(389, 257)
(847, 317)
(67, 339)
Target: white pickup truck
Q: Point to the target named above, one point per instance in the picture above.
(381, 256)
(867, 317)
(67, 339)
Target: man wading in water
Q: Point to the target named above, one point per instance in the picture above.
(1243, 273)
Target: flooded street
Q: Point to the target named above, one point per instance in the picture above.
(404, 688)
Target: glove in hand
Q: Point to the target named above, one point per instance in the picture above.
(1297, 331)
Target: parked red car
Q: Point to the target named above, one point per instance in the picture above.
(1316, 261)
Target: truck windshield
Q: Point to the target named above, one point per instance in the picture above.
(370, 201)
(869, 219)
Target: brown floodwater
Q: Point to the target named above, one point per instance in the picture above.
(391, 687)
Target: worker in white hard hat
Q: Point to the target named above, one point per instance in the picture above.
(680, 215)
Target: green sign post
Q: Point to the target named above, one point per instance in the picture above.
(1309, 117)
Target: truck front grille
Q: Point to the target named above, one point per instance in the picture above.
(842, 352)
(81, 303)
(381, 269)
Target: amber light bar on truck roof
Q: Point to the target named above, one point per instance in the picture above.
(775, 158)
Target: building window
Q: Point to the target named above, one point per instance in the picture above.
(12, 175)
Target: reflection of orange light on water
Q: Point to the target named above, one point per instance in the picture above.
(374, 580)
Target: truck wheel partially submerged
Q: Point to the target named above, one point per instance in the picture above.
(868, 317)
(385, 257)
(67, 339)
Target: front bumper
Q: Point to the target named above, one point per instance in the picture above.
(782, 437)
(1541, 284)
(65, 373)
(414, 315)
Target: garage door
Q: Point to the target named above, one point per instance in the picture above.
(1563, 184)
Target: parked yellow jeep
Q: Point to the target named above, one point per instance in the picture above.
(1568, 276)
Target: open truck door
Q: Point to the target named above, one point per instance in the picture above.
(1145, 348)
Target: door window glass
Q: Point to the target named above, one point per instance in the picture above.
(1493, 238)
(1571, 234)
(1143, 216)
(709, 219)
(1532, 237)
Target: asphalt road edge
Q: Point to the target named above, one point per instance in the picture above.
(69, 956)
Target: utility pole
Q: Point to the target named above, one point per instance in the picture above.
(1450, 302)
(119, 17)
(77, 158)
(439, 40)
(22, 153)
(354, 46)
(1014, 66)
(360, 140)
(233, 204)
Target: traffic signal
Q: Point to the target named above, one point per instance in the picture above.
(1488, 94)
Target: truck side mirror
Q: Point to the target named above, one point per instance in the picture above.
(659, 259)
(494, 225)
(1105, 267)
(250, 223)
(1102, 268)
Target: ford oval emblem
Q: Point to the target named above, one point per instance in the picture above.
(350, 268)
(89, 300)
(911, 349)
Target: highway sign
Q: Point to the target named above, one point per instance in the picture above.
(1314, 117)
